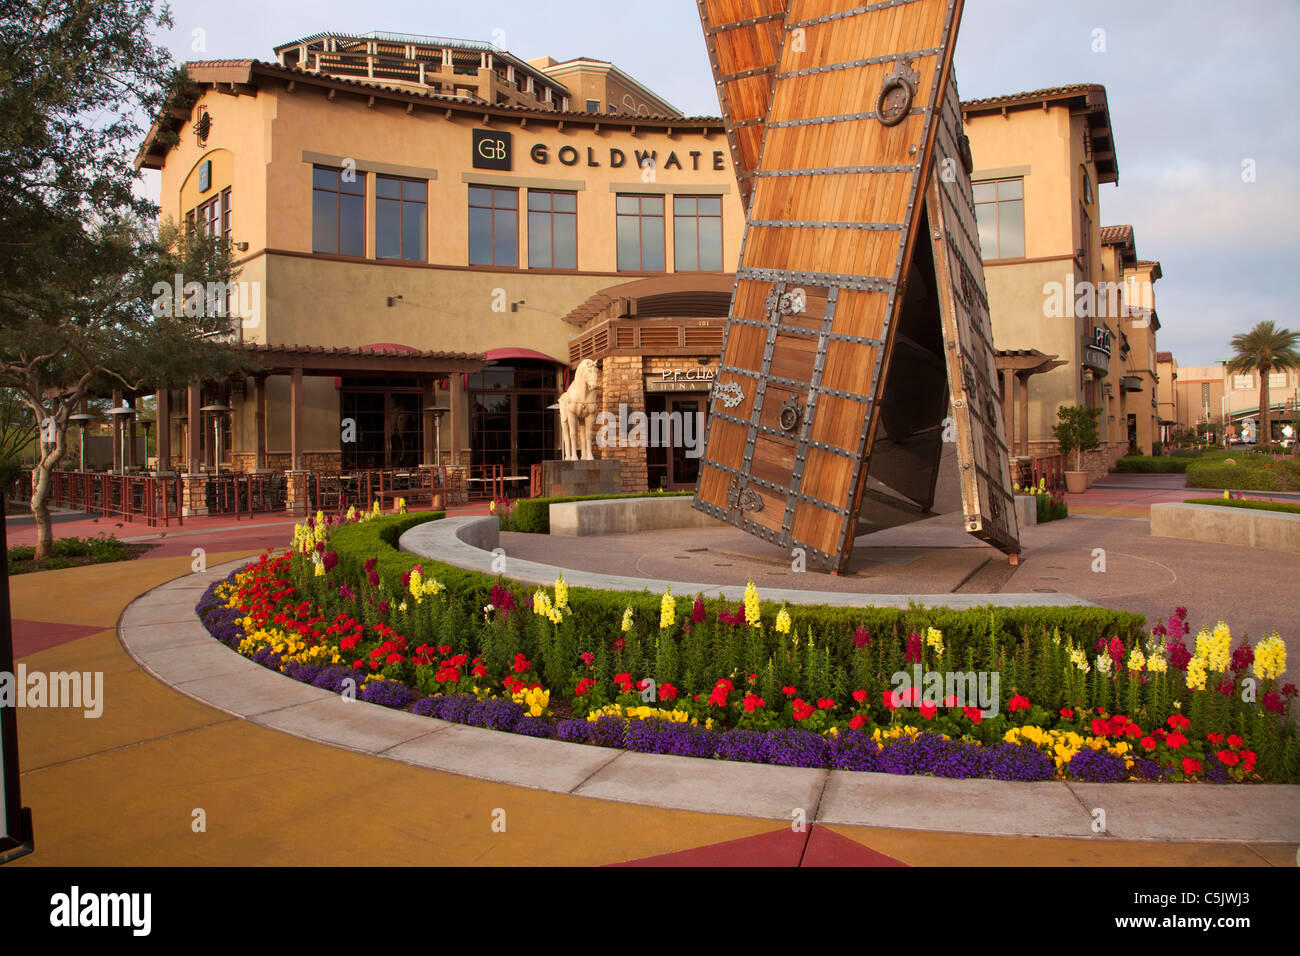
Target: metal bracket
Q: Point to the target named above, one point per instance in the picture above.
(743, 499)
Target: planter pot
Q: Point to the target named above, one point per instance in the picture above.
(1076, 482)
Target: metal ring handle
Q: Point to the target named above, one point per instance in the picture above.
(894, 82)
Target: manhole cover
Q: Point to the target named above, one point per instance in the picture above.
(1044, 590)
(682, 557)
(694, 550)
(721, 564)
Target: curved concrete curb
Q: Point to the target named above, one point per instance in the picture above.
(161, 632)
(468, 543)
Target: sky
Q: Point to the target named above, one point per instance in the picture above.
(1201, 97)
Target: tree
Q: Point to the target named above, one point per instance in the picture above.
(1076, 431)
(80, 252)
(1264, 349)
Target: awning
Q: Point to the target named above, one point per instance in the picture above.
(500, 355)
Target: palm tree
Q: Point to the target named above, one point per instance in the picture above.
(1264, 349)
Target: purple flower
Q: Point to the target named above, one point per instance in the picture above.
(1096, 766)
(388, 693)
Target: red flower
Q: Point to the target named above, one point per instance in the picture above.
(973, 713)
(667, 691)
(1100, 728)
(802, 711)
(1234, 740)
(928, 711)
(857, 721)
(1191, 766)
(825, 703)
(753, 702)
(619, 644)
(1229, 758)
(584, 685)
(950, 701)
(861, 638)
(789, 691)
(1175, 740)
(1067, 713)
(697, 611)
(1149, 743)
(889, 700)
(1018, 703)
(1179, 722)
(1214, 738)
(1248, 758)
(859, 695)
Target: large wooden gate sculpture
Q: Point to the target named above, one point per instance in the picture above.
(846, 136)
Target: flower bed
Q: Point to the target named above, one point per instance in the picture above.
(792, 686)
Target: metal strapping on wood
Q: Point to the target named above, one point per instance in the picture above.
(750, 22)
(827, 224)
(779, 489)
(835, 118)
(856, 11)
(744, 74)
(794, 383)
(835, 170)
(843, 280)
(810, 333)
(864, 61)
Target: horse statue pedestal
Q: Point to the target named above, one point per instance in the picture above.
(588, 476)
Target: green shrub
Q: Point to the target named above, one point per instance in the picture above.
(1151, 465)
(1283, 506)
(598, 613)
(533, 515)
(21, 552)
(1250, 473)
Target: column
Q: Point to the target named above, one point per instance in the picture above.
(295, 420)
(459, 419)
(195, 483)
(164, 431)
(117, 432)
(1024, 412)
(426, 423)
(1009, 410)
(259, 419)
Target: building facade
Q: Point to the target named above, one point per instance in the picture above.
(1058, 281)
(429, 232)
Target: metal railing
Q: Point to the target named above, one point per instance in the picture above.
(156, 500)
(1032, 470)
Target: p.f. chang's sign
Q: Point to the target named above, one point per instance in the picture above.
(492, 150)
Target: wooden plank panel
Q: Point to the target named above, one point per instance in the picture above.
(815, 170)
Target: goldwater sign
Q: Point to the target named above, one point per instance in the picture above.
(697, 379)
(492, 150)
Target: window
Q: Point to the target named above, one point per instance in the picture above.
(1276, 380)
(640, 222)
(1000, 210)
(338, 212)
(697, 233)
(212, 218)
(552, 229)
(493, 226)
(1243, 381)
(1205, 394)
(593, 106)
(400, 218)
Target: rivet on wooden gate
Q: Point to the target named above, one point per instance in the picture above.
(957, 404)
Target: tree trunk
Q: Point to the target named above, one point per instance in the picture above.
(42, 485)
(1265, 423)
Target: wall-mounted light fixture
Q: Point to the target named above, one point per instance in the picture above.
(241, 246)
(393, 300)
(514, 306)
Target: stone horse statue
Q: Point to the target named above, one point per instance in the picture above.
(578, 407)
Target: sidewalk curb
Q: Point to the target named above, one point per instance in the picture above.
(217, 676)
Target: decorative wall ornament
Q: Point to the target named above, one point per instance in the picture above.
(743, 499)
(730, 393)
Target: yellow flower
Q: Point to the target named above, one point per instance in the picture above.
(751, 604)
(783, 621)
(627, 620)
(1196, 674)
(1136, 659)
(934, 638)
(1270, 657)
(667, 610)
(561, 593)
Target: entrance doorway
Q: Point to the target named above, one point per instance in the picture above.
(671, 464)
(385, 413)
(511, 421)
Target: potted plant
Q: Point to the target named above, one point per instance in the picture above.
(1076, 431)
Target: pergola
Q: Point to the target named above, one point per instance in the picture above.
(1016, 365)
(297, 361)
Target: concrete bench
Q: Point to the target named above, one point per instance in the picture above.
(626, 515)
(1247, 527)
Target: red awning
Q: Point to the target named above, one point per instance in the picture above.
(499, 355)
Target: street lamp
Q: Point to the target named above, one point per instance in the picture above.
(81, 418)
(125, 411)
(217, 410)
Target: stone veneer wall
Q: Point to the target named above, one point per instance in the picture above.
(622, 381)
